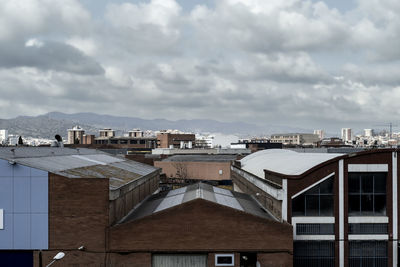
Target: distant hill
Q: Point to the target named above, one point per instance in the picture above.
(52, 123)
(41, 126)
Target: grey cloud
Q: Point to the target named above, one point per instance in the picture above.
(49, 56)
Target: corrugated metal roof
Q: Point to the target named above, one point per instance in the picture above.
(82, 163)
(283, 161)
(9, 153)
(162, 201)
(200, 158)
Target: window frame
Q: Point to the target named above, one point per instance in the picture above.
(307, 195)
(363, 176)
(231, 255)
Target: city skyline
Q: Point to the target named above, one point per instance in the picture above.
(299, 63)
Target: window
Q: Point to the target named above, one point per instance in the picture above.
(123, 142)
(317, 201)
(367, 194)
(224, 260)
(314, 254)
(179, 260)
(142, 142)
(368, 228)
(133, 142)
(368, 253)
(315, 228)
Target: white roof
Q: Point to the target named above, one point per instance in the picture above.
(283, 161)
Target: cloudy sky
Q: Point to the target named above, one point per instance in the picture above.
(311, 64)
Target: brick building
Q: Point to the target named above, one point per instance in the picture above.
(54, 199)
(199, 167)
(170, 140)
(203, 225)
(100, 211)
(343, 207)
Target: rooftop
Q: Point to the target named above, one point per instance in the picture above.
(78, 163)
(166, 200)
(201, 158)
(283, 161)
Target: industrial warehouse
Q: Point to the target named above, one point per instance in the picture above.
(101, 210)
(287, 209)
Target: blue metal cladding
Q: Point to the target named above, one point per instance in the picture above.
(24, 199)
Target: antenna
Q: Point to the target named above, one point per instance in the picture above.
(390, 125)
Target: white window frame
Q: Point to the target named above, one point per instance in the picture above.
(1, 219)
(225, 255)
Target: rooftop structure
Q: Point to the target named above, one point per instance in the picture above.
(283, 161)
(166, 200)
(77, 163)
(201, 158)
(75, 135)
(298, 139)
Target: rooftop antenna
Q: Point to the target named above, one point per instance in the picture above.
(391, 125)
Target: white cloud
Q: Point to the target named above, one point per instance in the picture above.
(240, 59)
(86, 45)
(24, 18)
(34, 43)
(160, 13)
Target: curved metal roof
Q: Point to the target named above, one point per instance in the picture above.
(283, 161)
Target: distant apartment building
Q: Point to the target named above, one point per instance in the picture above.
(346, 134)
(368, 132)
(332, 142)
(136, 133)
(3, 136)
(320, 133)
(170, 140)
(204, 141)
(107, 133)
(304, 139)
(255, 144)
(126, 142)
(75, 135)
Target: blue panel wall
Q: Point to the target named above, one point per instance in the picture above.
(24, 199)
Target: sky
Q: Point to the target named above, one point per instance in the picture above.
(309, 64)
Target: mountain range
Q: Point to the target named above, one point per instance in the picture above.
(50, 124)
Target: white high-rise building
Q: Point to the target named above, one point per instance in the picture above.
(346, 134)
(368, 132)
(320, 133)
(75, 135)
(3, 136)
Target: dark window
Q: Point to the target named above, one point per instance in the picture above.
(224, 259)
(368, 228)
(314, 254)
(367, 193)
(317, 201)
(133, 142)
(123, 142)
(368, 253)
(113, 142)
(142, 142)
(315, 228)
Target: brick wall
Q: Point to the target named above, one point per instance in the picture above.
(196, 170)
(200, 225)
(78, 212)
(130, 197)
